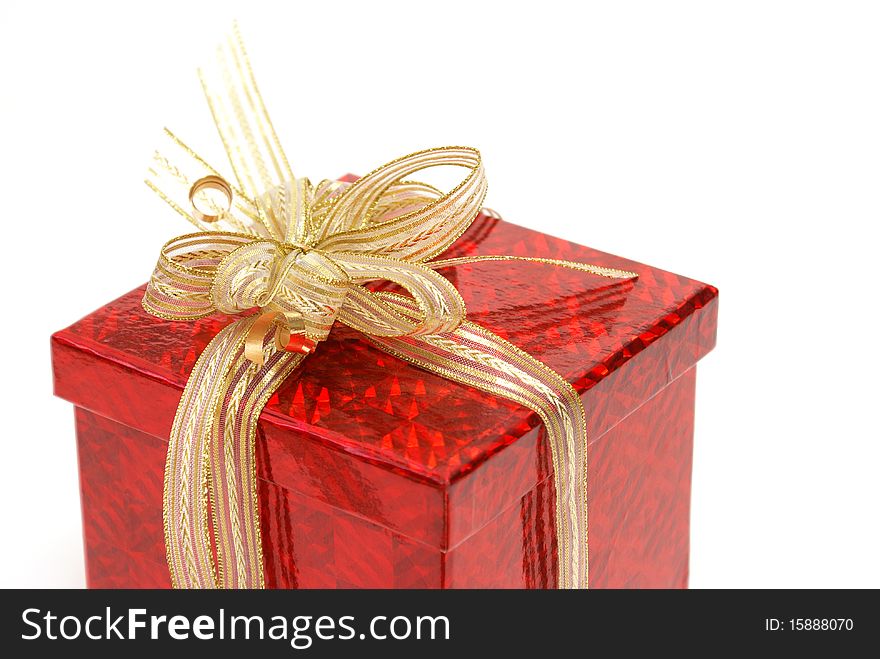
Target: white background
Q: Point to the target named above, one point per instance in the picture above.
(735, 143)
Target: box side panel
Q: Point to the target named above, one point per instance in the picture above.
(347, 481)
(639, 510)
(516, 549)
(639, 493)
(306, 543)
(121, 482)
(480, 494)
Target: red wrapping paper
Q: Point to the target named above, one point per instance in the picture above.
(374, 473)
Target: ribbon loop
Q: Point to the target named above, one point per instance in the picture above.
(441, 307)
(181, 285)
(420, 233)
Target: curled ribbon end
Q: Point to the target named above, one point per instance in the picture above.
(211, 197)
(284, 339)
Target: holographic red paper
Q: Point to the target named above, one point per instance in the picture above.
(377, 474)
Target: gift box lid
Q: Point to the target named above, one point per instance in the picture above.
(361, 430)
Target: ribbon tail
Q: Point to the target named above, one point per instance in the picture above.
(260, 165)
(212, 452)
(474, 356)
(600, 270)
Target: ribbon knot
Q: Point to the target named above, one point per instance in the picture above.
(279, 277)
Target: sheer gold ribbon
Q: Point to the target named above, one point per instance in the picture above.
(302, 253)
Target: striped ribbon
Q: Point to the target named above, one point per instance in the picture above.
(302, 253)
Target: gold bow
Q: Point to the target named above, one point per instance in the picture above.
(301, 254)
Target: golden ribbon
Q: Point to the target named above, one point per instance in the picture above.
(301, 254)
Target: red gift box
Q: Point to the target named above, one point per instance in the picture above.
(375, 473)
